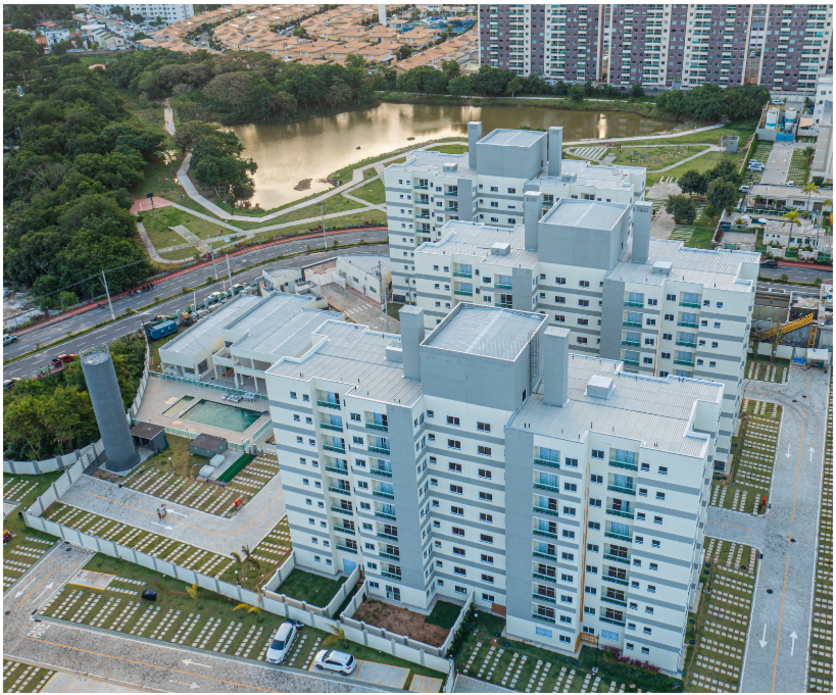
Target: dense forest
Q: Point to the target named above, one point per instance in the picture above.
(45, 417)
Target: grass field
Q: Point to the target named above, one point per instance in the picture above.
(311, 588)
(444, 614)
(761, 368)
(271, 551)
(372, 217)
(700, 164)
(157, 223)
(654, 156)
(449, 149)
(742, 129)
(374, 192)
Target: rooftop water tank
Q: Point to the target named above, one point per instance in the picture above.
(772, 118)
(790, 114)
(103, 387)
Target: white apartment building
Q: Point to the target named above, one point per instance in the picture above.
(488, 185)
(661, 308)
(824, 93)
(169, 13)
(396, 451)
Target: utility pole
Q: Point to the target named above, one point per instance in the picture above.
(385, 293)
(214, 270)
(228, 270)
(324, 238)
(107, 292)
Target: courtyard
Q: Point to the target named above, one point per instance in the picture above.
(402, 621)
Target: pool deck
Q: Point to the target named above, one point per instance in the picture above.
(160, 395)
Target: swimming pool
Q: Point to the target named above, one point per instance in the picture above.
(221, 415)
(178, 406)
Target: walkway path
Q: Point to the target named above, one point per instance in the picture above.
(169, 117)
(208, 531)
(787, 536)
(646, 137)
(141, 663)
(192, 239)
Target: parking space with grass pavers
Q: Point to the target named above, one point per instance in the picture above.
(176, 480)
(820, 663)
(760, 153)
(260, 562)
(27, 545)
(182, 554)
(799, 169)
(716, 633)
(526, 668)
(761, 368)
(753, 459)
(24, 678)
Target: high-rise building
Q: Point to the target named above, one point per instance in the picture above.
(169, 13)
(561, 491)
(782, 47)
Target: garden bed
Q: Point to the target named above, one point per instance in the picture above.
(401, 621)
(310, 588)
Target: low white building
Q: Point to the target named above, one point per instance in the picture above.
(797, 235)
(368, 274)
(824, 94)
(282, 279)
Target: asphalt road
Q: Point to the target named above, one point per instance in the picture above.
(796, 273)
(777, 167)
(172, 288)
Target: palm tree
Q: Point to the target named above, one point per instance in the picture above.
(793, 217)
(337, 635)
(250, 609)
(250, 558)
(192, 592)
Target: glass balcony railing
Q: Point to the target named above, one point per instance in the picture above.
(464, 293)
(686, 363)
(618, 536)
(388, 556)
(547, 462)
(381, 493)
(611, 620)
(625, 490)
(633, 362)
(328, 404)
(544, 618)
(343, 529)
(380, 471)
(545, 510)
(339, 490)
(543, 597)
(546, 486)
(389, 575)
(615, 580)
(636, 324)
(685, 343)
(387, 536)
(687, 324)
(617, 558)
(547, 556)
(346, 549)
(460, 274)
(341, 510)
(331, 447)
(541, 532)
(328, 426)
(501, 286)
(384, 515)
(619, 512)
(690, 305)
(628, 303)
(544, 577)
(375, 426)
(624, 464)
(631, 343)
(379, 450)
(617, 602)
(337, 469)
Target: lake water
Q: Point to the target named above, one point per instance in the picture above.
(289, 153)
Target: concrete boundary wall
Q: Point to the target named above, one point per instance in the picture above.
(65, 461)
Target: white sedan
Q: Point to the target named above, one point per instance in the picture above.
(335, 661)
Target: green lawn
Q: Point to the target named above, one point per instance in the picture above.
(653, 156)
(372, 217)
(799, 170)
(179, 255)
(347, 172)
(157, 223)
(758, 368)
(444, 614)
(374, 192)
(311, 588)
(701, 164)
(449, 149)
(394, 310)
(743, 129)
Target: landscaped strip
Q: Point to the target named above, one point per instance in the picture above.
(259, 564)
(761, 368)
(748, 483)
(240, 464)
(716, 633)
(24, 678)
(820, 673)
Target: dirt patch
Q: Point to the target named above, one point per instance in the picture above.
(401, 622)
(303, 185)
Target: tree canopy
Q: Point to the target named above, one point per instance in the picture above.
(710, 102)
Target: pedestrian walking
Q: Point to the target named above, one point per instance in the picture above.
(159, 514)
(165, 512)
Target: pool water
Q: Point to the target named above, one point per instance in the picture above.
(178, 406)
(221, 415)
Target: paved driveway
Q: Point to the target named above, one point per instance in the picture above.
(787, 536)
(778, 165)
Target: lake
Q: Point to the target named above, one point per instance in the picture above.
(289, 153)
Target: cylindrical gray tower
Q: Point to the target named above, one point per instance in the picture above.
(110, 412)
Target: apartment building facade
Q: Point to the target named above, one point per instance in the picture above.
(590, 267)
(488, 184)
(782, 47)
(169, 13)
(398, 454)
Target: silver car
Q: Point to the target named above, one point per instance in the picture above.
(335, 661)
(281, 644)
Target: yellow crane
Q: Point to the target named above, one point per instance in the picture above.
(788, 327)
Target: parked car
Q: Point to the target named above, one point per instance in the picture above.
(769, 263)
(791, 183)
(333, 660)
(777, 102)
(8, 339)
(8, 383)
(61, 360)
(282, 642)
(744, 189)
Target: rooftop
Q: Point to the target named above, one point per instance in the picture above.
(512, 138)
(588, 174)
(654, 411)
(201, 335)
(794, 192)
(476, 239)
(487, 331)
(352, 354)
(432, 162)
(720, 269)
(369, 263)
(588, 214)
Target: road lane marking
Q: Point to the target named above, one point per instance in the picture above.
(800, 449)
(143, 663)
(780, 620)
(36, 588)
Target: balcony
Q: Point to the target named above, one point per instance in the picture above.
(381, 493)
(464, 293)
(374, 426)
(503, 305)
(346, 549)
(624, 464)
(384, 515)
(459, 274)
(617, 558)
(686, 363)
(339, 490)
(633, 303)
(615, 580)
(618, 536)
(389, 575)
(501, 286)
(343, 529)
(337, 469)
(634, 324)
(387, 536)
(541, 532)
(537, 553)
(543, 597)
(331, 447)
(618, 512)
(547, 462)
(327, 426)
(544, 577)
(329, 404)
(611, 620)
(633, 362)
(631, 343)
(380, 471)
(683, 343)
(545, 510)
(379, 450)
(544, 618)
(422, 188)
(389, 557)
(625, 490)
(545, 486)
(607, 599)
(688, 324)
(341, 510)
(690, 305)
